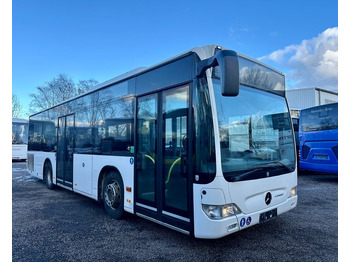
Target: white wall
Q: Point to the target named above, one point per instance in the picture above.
(309, 97)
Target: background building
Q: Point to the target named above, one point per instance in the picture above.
(308, 97)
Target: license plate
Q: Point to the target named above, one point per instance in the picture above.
(266, 216)
(323, 157)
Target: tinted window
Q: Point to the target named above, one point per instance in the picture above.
(178, 71)
(319, 118)
(257, 75)
(19, 133)
(104, 121)
(205, 146)
(42, 133)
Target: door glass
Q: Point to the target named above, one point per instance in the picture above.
(146, 144)
(65, 147)
(175, 150)
(60, 148)
(69, 147)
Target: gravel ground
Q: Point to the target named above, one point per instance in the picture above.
(59, 225)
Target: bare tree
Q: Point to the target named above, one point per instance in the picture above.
(52, 92)
(86, 85)
(57, 90)
(16, 107)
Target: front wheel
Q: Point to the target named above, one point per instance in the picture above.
(48, 176)
(113, 195)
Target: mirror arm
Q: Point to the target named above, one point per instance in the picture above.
(227, 60)
(203, 65)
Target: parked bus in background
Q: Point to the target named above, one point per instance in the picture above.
(201, 143)
(19, 139)
(318, 135)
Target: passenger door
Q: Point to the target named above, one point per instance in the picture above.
(163, 190)
(65, 148)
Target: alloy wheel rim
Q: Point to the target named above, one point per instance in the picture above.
(113, 194)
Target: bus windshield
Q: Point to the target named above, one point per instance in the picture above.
(256, 137)
(19, 133)
(319, 118)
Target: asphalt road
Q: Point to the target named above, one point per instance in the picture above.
(59, 225)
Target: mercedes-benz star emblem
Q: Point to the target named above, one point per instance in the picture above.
(268, 198)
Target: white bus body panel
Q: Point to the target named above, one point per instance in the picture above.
(125, 165)
(82, 175)
(249, 196)
(19, 152)
(39, 160)
(86, 172)
(252, 202)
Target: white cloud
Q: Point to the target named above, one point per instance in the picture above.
(312, 63)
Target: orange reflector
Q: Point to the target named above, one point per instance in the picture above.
(128, 189)
(128, 200)
(75, 184)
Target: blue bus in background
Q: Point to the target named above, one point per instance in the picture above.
(318, 136)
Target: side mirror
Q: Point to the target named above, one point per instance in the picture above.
(227, 60)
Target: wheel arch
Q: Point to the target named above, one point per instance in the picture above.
(101, 177)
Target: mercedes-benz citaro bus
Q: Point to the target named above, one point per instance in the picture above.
(201, 143)
(318, 137)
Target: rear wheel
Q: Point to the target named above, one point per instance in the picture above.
(113, 195)
(48, 176)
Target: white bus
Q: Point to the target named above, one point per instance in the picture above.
(19, 139)
(201, 143)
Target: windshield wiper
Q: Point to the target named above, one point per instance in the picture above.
(273, 162)
(245, 174)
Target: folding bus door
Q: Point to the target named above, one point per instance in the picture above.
(65, 147)
(163, 191)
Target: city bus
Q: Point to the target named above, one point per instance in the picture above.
(318, 135)
(201, 143)
(19, 139)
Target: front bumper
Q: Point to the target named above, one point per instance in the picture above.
(212, 229)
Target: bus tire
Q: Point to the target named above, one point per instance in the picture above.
(48, 176)
(113, 195)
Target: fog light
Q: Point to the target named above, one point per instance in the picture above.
(220, 212)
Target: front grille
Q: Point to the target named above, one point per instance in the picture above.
(335, 151)
(305, 151)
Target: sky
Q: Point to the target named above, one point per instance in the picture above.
(99, 40)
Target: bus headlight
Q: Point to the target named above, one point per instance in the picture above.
(220, 212)
(293, 192)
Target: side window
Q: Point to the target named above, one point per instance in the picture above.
(117, 129)
(86, 120)
(205, 146)
(104, 123)
(48, 136)
(35, 135)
